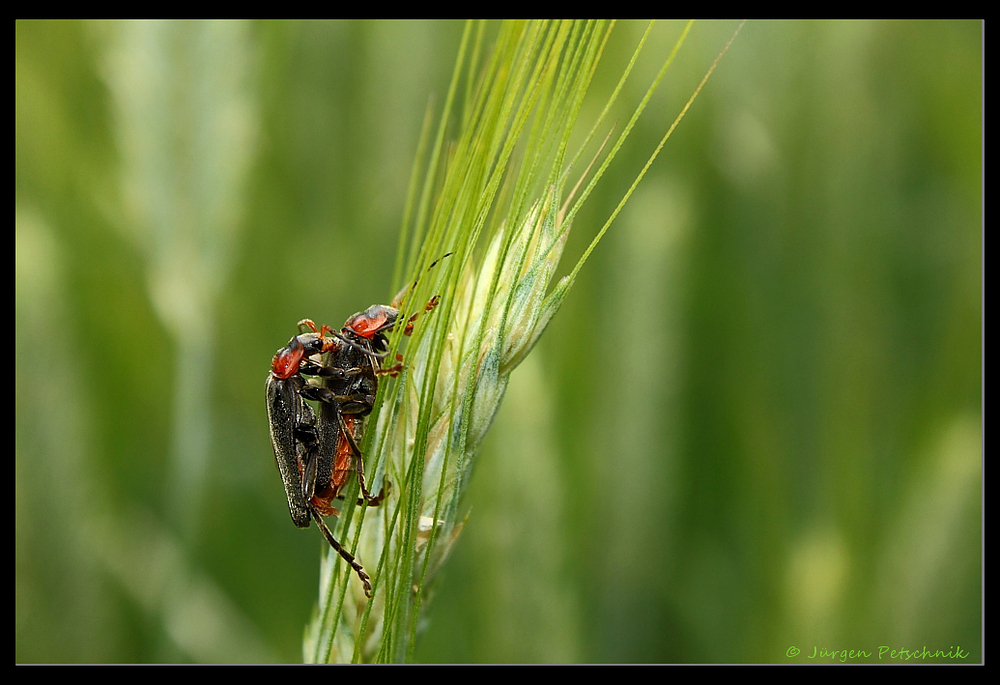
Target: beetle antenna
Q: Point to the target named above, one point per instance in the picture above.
(351, 343)
(398, 300)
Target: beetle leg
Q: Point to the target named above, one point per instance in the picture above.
(347, 556)
(394, 370)
(312, 392)
(377, 499)
(359, 467)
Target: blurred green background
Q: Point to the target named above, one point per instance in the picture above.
(754, 427)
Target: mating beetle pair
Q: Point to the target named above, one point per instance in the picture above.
(316, 455)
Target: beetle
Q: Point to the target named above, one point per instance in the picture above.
(297, 441)
(315, 456)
